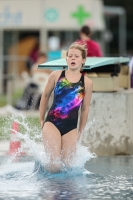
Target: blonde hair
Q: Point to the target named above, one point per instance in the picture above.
(80, 47)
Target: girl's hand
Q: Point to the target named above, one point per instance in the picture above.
(79, 135)
(42, 124)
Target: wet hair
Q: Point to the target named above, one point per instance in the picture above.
(80, 47)
(86, 30)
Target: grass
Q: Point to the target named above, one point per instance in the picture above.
(16, 95)
(27, 125)
(3, 101)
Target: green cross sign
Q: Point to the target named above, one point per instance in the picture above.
(81, 15)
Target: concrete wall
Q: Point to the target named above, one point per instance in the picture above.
(112, 117)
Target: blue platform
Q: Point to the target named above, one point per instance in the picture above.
(91, 62)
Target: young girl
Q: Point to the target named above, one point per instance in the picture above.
(71, 90)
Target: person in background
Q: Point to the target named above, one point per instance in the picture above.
(35, 84)
(93, 48)
(41, 58)
(39, 78)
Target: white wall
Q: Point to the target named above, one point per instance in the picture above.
(49, 14)
(112, 131)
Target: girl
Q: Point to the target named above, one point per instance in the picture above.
(71, 90)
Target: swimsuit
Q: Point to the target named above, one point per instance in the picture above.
(67, 100)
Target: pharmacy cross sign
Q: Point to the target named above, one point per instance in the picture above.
(81, 15)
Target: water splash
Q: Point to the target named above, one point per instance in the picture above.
(30, 134)
(30, 180)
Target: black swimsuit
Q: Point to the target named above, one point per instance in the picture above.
(67, 99)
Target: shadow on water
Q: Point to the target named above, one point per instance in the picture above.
(90, 177)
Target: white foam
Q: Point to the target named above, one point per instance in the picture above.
(82, 154)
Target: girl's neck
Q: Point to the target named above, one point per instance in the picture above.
(73, 72)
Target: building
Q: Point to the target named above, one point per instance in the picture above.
(25, 24)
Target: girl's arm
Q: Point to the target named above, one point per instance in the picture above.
(85, 105)
(45, 96)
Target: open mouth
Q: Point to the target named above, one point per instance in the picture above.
(73, 63)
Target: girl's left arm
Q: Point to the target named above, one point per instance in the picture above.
(85, 105)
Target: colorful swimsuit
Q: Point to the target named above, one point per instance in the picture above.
(67, 99)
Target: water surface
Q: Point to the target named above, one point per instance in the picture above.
(89, 177)
(100, 178)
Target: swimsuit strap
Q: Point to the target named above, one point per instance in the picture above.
(62, 74)
(82, 78)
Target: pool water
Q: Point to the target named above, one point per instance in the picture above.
(100, 178)
(89, 177)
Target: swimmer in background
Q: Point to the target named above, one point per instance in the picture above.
(72, 90)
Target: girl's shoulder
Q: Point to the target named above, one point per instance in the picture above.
(56, 73)
(88, 82)
(87, 79)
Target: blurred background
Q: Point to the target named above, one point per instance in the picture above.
(33, 27)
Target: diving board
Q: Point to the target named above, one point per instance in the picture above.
(91, 62)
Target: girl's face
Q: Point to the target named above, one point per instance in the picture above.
(74, 59)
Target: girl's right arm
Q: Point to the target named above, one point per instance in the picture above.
(45, 96)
